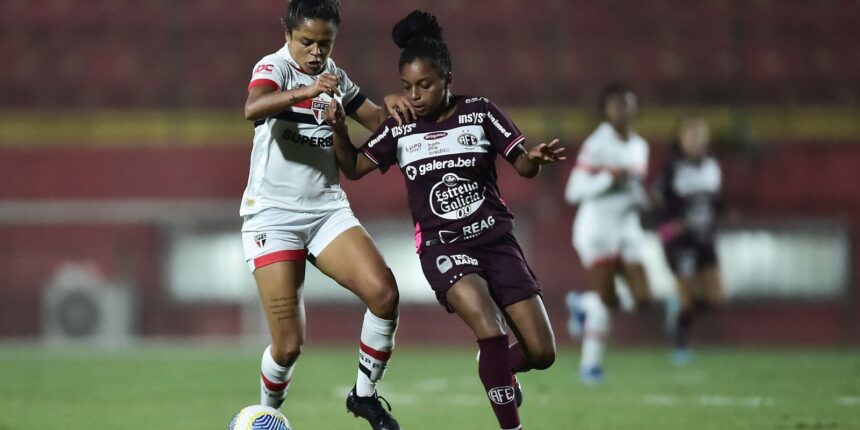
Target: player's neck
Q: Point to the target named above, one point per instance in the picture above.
(444, 111)
(622, 131)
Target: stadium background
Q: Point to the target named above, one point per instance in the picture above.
(123, 155)
(121, 135)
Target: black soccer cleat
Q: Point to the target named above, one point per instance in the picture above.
(371, 409)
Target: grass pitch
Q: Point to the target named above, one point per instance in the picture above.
(201, 387)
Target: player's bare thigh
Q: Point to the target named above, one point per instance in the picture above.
(354, 262)
(601, 278)
(634, 274)
(712, 285)
(530, 323)
(280, 287)
(470, 298)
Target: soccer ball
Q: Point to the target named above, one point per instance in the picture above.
(259, 417)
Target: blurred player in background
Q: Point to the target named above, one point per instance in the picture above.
(463, 230)
(688, 200)
(294, 208)
(607, 184)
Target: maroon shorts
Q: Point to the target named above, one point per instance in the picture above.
(500, 262)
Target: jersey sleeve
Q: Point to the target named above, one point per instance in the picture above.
(588, 179)
(269, 73)
(502, 133)
(352, 96)
(640, 158)
(381, 147)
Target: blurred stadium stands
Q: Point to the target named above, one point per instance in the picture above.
(120, 128)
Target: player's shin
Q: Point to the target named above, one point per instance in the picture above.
(274, 380)
(377, 342)
(595, 334)
(494, 370)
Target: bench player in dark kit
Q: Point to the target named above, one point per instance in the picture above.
(463, 229)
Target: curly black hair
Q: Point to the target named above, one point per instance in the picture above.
(420, 36)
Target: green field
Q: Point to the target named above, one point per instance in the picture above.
(173, 387)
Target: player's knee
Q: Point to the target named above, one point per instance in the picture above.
(543, 358)
(285, 352)
(383, 298)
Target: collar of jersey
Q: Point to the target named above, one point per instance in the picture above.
(285, 52)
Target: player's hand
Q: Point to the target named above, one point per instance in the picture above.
(619, 176)
(546, 153)
(325, 83)
(398, 106)
(335, 117)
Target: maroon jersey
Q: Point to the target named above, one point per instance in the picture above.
(450, 170)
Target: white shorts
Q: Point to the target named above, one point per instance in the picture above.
(275, 235)
(598, 243)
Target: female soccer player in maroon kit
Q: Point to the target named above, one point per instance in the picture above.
(463, 229)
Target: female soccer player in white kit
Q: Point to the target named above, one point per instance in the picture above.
(607, 184)
(294, 208)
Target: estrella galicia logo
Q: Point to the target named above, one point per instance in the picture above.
(260, 239)
(411, 172)
(467, 139)
(443, 263)
(455, 197)
(501, 395)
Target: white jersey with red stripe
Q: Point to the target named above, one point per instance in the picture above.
(293, 166)
(607, 209)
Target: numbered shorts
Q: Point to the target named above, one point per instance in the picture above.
(608, 243)
(275, 235)
(500, 262)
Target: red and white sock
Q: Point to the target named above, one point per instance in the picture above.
(274, 380)
(377, 342)
(596, 330)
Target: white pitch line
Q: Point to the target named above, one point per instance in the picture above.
(731, 401)
(659, 400)
(849, 400)
(709, 400)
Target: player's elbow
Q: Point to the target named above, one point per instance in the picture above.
(250, 114)
(530, 173)
(529, 170)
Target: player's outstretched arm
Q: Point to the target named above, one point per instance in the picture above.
(528, 163)
(351, 161)
(264, 101)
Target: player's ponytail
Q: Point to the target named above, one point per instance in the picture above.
(420, 36)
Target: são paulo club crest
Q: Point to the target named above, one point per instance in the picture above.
(260, 239)
(320, 104)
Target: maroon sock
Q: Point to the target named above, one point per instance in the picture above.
(682, 332)
(518, 359)
(495, 371)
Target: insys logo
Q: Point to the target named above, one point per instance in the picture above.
(455, 197)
